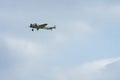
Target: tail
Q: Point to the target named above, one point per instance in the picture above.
(54, 27)
(50, 28)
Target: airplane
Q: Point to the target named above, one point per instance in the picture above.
(41, 26)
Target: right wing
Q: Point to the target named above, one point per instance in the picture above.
(42, 25)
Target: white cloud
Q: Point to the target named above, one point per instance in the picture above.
(89, 71)
(78, 30)
(24, 47)
(81, 27)
(59, 74)
(58, 38)
(104, 12)
(92, 70)
(34, 68)
(31, 58)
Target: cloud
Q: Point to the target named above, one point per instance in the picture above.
(92, 70)
(31, 62)
(24, 47)
(81, 27)
(101, 12)
(30, 58)
(59, 74)
(30, 68)
(58, 38)
(95, 70)
(78, 30)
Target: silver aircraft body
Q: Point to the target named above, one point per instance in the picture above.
(41, 26)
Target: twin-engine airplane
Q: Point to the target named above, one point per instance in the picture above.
(41, 26)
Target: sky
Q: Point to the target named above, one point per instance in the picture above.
(84, 46)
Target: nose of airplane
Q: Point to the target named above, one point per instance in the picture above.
(30, 25)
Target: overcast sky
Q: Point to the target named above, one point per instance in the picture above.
(84, 46)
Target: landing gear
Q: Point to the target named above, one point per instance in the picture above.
(37, 28)
(32, 29)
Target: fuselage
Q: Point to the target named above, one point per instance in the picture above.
(38, 26)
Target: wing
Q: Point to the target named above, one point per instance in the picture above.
(42, 25)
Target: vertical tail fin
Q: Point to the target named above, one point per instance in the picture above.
(54, 27)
